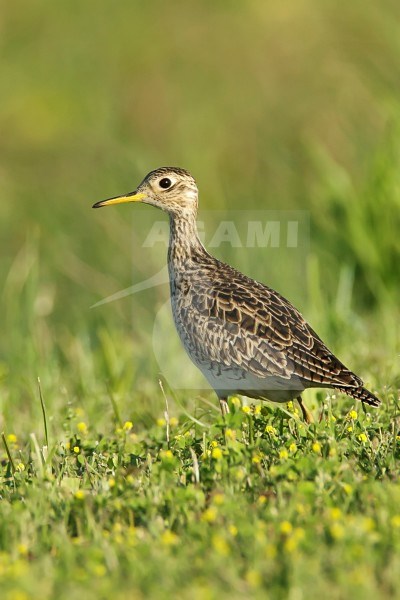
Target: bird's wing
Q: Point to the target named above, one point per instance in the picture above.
(252, 327)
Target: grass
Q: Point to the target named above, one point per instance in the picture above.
(259, 504)
(271, 108)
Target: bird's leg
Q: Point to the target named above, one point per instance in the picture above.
(223, 403)
(307, 416)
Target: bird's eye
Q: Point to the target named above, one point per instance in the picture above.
(165, 183)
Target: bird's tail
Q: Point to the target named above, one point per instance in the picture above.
(362, 394)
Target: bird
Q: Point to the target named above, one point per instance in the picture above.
(245, 337)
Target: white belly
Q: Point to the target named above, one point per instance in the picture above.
(227, 381)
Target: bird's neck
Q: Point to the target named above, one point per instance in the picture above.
(184, 242)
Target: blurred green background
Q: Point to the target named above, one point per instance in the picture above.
(288, 106)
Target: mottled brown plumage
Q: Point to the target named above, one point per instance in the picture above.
(245, 337)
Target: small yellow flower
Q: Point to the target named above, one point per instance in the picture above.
(395, 521)
(261, 500)
(363, 438)
(246, 409)
(239, 473)
(256, 459)
(300, 509)
(352, 415)
(271, 430)
(209, 515)
(218, 498)
(350, 428)
(283, 454)
(316, 447)
(216, 453)
(161, 422)
(397, 438)
(368, 524)
(166, 455)
(292, 448)
(257, 409)
(220, 545)
(76, 449)
(333, 418)
(335, 514)
(213, 444)
(20, 467)
(270, 551)
(22, 549)
(253, 578)
(82, 427)
(169, 538)
(348, 488)
(173, 422)
(12, 438)
(79, 495)
(235, 401)
(286, 528)
(337, 531)
(99, 570)
(290, 545)
(111, 482)
(233, 530)
(127, 426)
(259, 532)
(230, 434)
(299, 533)
(17, 594)
(78, 540)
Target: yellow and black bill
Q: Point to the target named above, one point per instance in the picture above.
(132, 197)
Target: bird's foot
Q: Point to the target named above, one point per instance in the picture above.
(223, 403)
(307, 416)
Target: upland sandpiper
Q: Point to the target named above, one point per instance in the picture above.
(245, 338)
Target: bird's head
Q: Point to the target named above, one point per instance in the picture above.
(170, 188)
